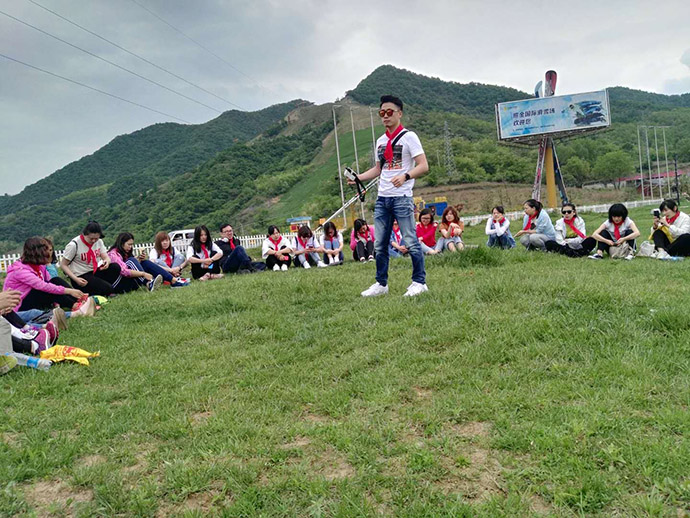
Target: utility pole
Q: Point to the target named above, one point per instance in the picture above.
(649, 163)
(373, 138)
(340, 172)
(354, 143)
(658, 165)
(668, 175)
(675, 167)
(639, 151)
(450, 159)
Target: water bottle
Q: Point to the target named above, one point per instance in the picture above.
(673, 258)
(31, 361)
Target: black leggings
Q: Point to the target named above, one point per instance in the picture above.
(680, 247)
(271, 261)
(363, 251)
(198, 271)
(101, 282)
(36, 299)
(604, 247)
(588, 245)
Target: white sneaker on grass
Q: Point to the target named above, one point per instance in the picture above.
(662, 254)
(375, 290)
(415, 289)
(629, 257)
(306, 266)
(321, 264)
(284, 267)
(276, 268)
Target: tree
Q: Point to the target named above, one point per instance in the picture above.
(612, 166)
(577, 169)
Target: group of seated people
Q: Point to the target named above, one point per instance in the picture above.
(670, 232)
(433, 237)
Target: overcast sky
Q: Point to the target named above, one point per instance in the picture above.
(275, 51)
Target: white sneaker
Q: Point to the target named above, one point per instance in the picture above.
(662, 254)
(276, 268)
(331, 259)
(375, 290)
(284, 267)
(629, 257)
(306, 266)
(415, 289)
(335, 260)
(321, 264)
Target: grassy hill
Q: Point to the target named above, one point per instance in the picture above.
(522, 385)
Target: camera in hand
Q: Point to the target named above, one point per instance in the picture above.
(656, 213)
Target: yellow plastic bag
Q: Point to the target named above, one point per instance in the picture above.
(60, 353)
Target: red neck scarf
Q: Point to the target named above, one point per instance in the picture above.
(572, 226)
(672, 220)
(90, 255)
(501, 221)
(232, 244)
(37, 270)
(396, 233)
(364, 235)
(168, 258)
(204, 250)
(617, 230)
(276, 243)
(330, 240)
(388, 153)
(303, 243)
(529, 222)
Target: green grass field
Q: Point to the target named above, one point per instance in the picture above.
(522, 384)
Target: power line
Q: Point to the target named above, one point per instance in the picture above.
(194, 41)
(110, 62)
(93, 88)
(135, 54)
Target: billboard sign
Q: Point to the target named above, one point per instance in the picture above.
(563, 114)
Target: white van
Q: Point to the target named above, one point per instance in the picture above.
(180, 239)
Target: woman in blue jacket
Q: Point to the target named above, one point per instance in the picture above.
(537, 229)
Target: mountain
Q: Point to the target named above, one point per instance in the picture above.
(141, 160)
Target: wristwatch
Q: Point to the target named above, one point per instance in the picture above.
(407, 176)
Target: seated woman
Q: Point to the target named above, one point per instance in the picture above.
(362, 241)
(136, 274)
(86, 262)
(332, 244)
(426, 232)
(451, 229)
(276, 250)
(38, 289)
(571, 235)
(498, 229)
(397, 247)
(307, 249)
(16, 335)
(204, 255)
(165, 256)
(671, 232)
(537, 228)
(616, 230)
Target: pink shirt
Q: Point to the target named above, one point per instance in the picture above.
(427, 235)
(21, 277)
(353, 241)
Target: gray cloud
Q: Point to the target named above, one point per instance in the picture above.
(308, 49)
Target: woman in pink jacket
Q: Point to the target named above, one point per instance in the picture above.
(362, 241)
(37, 288)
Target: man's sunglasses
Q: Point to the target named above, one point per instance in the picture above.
(387, 113)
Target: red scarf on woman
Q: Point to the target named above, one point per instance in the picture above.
(672, 220)
(204, 250)
(388, 153)
(90, 255)
(276, 243)
(617, 230)
(501, 221)
(529, 222)
(396, 233)
(168, 258)
(572, 226)
(302, 243)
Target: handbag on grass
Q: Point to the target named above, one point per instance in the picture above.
(620, 251)
(646, 249)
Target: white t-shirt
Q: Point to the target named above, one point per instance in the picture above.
(76, 253)
(311, 242)
(270, 245)
(404, 152)
(214, 250)
(612, 229)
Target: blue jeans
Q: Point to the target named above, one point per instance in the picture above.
(402, 209)
(504, 241)
(148, 267)
(237, 259)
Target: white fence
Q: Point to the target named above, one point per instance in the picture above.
(248, 242)
(604, 207)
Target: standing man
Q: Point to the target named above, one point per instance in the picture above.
(401, 159)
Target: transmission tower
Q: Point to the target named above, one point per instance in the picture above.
(450, 158)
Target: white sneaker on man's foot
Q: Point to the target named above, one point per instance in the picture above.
(415, 289)
(375, 290)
